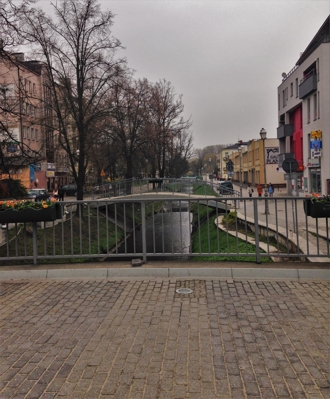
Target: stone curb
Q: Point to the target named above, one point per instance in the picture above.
(224, 273)
(293, 237)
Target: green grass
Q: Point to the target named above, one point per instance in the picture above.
(204, 190)
(69, 238)
(75, 236)
(211, 239)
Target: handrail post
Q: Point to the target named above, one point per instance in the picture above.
(143, 231)
(256, 230)
(35, 242)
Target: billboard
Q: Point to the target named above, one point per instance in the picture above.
(271, 155)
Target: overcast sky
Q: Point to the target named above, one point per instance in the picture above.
(225, 57)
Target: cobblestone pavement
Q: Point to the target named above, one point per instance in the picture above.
(140, 339)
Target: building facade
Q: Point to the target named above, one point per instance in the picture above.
(257, 162)
(28, 140)
(304, 117)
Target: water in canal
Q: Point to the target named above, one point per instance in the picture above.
(167, 232)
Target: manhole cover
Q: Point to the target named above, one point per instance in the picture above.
(184, 291)
(190, 289)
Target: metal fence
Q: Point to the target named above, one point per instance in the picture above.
(127, 187)
(168, 226)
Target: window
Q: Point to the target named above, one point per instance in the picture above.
(308, 110)
(34, 88)
(283, 98)
(32, 133)
(36, 134)
(315, 106)
(291, 89)
(309, 147)
(30, 87)
(318, 105)
(27, 132)
(279, 102)
(297, 88)
(7, 91)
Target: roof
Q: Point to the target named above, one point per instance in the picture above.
(236, 145)
(322, 36)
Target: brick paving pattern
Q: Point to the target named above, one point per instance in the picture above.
(140, 339)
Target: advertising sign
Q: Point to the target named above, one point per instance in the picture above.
(11, 148)
(313, 162)
(271, 155)
(50, 166)
(31, 172)
(316, 143)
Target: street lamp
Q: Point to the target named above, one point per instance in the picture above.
(263, 135)
(240, 169)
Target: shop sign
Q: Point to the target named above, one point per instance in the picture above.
(11, 148)
(50, 166)
(316, 143)
(313, 162)
(50, 173)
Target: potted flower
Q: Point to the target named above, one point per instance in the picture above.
(24, 211)
(317, 206)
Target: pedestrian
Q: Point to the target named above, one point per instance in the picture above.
(249, 190)
(271, 190)
(61, 193)
(259, 189)
(55, 193)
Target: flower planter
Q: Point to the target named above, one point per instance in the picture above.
(31, 215)
(316, 209)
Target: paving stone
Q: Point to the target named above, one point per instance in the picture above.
(137, 339)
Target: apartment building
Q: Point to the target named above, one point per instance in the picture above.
(304, 117)
(27, 136)
(256, 161)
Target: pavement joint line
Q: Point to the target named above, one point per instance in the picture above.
(166, 273)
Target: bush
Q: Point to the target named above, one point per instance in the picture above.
(11, 188)
(230, 219)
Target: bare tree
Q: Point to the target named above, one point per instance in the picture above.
(78, 52)
(127, 120)
(166, 122)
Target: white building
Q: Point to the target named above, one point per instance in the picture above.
(304, 116)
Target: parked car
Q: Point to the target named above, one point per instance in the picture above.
(70, 189)
(39, 194)
(226, 187)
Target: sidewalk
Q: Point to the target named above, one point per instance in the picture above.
(284, 212)
(141, 339)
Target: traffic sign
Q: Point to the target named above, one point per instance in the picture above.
(102, 174)
(290, 165)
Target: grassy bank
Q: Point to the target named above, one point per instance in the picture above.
(209, 239)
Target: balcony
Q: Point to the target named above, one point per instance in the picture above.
(308, 84)
(285, 131)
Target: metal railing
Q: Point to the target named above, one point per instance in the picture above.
(127, 187)
(170, 226)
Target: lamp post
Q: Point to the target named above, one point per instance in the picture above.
(240, 170)
(263, 135)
